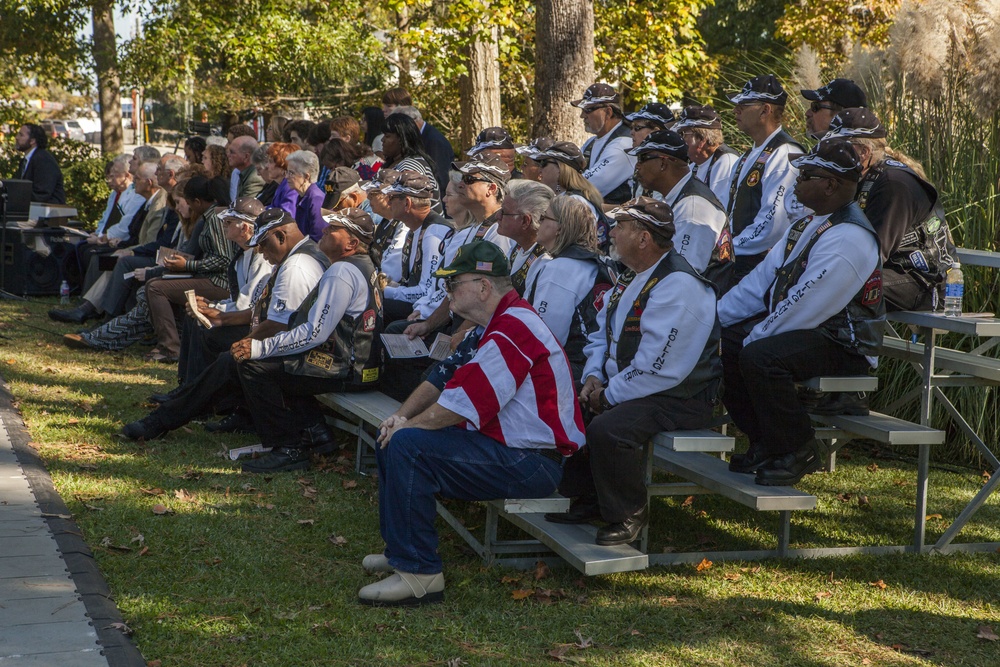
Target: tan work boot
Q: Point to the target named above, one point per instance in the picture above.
(404, 589)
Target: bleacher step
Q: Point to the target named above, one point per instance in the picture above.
(883, 428)
(575, 544)
(704, 440)
(842, 383)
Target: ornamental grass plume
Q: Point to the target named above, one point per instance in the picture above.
(928, 46)
(806, 71)
(984, 79)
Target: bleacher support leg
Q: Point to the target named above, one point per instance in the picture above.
(784, 532)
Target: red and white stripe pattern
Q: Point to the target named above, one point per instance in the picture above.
(518, 388)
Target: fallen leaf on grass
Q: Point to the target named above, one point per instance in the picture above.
(160, 510)
(212, 562)
(863, 502)
(152, 492)
(121, 627)
(337, 540)
(191, 473)
(986, 632)
(933, 516)
(509, 579)
(560, 654)
(688, 501)
(348, 484)
(140, 539)
(821, 595)
(522, 593)
(877, 584)
(183, 495)
(703, 565)
(872, 468)
(732, 576)
(72, 422)
(306, 522)
(93, 508)
(153, 663)
(844, 497)
(541, 570)
(455, 662)
(309, 492)
(583, 643)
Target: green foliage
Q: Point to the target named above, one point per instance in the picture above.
(250, 53)
(739, 33)
(653, 48)
(38, 40)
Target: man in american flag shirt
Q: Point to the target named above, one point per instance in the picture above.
(497, 426)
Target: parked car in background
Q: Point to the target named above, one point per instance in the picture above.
(60, 129)
(76, 132)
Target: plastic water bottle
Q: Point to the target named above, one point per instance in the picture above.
(954, 289)
(64, 293)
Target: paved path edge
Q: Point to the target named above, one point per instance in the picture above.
(93, 589)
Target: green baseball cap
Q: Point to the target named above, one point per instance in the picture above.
(480, 257)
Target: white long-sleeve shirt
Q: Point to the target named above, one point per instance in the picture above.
(839, 265)
(561, 285)
(130, 202)
(771, 220)
(675, 327)
(698, 224)
(251, 270)
(719, 177)
(342, 289)
(610, 165)
(429, 241)
(392, 257)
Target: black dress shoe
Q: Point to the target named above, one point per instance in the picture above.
(623, 532)
(77, 315)
(581, 510)
(149, 427)
(843, 403)
(750, 462)
(791, 468)
(237, 421)
(281, 459)
(319, 440)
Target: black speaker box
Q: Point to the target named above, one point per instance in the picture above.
(30, 273)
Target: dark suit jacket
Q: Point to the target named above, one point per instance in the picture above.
(441, 152)
(46, 178)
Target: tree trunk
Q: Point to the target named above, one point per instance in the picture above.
(402, 51)
(479, 90)
(108, 82)
(564, 66)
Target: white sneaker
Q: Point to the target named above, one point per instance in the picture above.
(376, 563)
(404, 589)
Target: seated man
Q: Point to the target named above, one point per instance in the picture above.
(498, 427)
(332, 345)
(652, 365)
(712, 160)
(812, 307)
(298, 263)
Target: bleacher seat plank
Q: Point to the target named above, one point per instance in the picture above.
(883, 428)
(372, 407)
(714, 475)
(575, 544)
(845, 383)
(987, 368)
(703, 440)
(554, 503)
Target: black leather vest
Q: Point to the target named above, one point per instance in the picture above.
(707, 372)
(354, 351)
(858, 326)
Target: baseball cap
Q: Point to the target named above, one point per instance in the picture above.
(413, 184)
(834, 155)
(663, 141)
(245, 209)
(492, 137)
(693, 116)
(646, 209)
(485, 164)
(599, 95)
(354, 220)
(842, 92)
(761, 89)
(563, 151)
(480, 257)
(268, 220)
(857, 122)
(654, 111)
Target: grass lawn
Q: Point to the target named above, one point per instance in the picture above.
(211, 567)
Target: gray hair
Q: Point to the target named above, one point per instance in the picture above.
(146, 153)
(216, 141)
(259, 157)
(174, 163)
(411, 112)
(147, 170)
(305, 163)
(531, 198)
(120, 162)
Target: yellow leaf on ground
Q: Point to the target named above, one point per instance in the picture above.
(522, 593)
(703, 565)
(877, 584)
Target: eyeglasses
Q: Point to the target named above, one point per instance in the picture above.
(593, 109)
(510, 215)
(542, 164)
(469, 179)
(639, 127)
(816, 106)
(811, 176)
(548, 217)
(452, 282)
(646, 157)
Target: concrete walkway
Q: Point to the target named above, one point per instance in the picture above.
(55, 609)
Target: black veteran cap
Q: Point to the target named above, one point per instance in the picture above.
(842, 92)
(663, 141)
(268, 220)
(698, 116)
(480, 257)
(834, 155)
(381, 178)
(599, 95)
(339, 180)
(492, 137)
(655, 112)
(855, 123)
(536, 146)
(487, 165)
(245, 209)
(761, 89)
(354, 220)
(412, 184)
(646, 209)
(564, 151)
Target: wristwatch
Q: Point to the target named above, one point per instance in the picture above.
(603, 400)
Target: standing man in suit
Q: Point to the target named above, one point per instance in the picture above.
(38, 166)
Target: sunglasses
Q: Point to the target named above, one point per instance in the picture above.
(592, 110)
(542, 164)
(639, 127)
(811, 176)
(816, 106)
(646, 157)
(452, 282)
(469, 179)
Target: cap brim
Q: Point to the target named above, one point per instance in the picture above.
(812, 95)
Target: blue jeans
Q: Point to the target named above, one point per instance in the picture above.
(455, 463)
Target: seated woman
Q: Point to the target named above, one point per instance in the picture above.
(259, 160)
(301, 173)
(276, 169)
(568, 286)
(216, 163)
(562, 166)
(403, 150)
